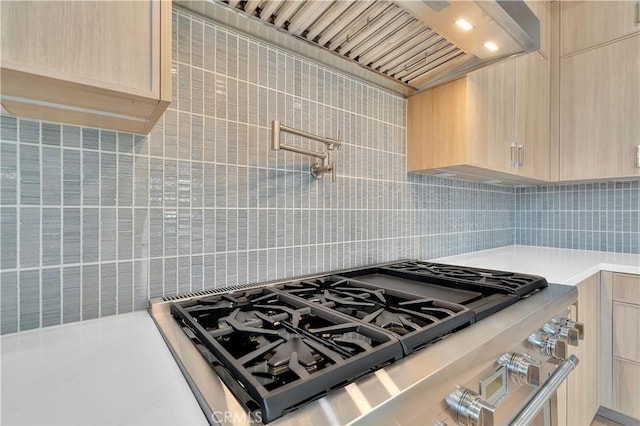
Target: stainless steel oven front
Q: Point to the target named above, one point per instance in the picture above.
(496, 384)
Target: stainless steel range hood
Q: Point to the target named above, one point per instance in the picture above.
(404, 45)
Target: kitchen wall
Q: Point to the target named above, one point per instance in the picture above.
(593, 216)
(95, 222)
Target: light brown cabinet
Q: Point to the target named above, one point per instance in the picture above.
(582, 384)
(492, 124)
(584, 24)
(99, 63)
(620, 343)
(600, 112)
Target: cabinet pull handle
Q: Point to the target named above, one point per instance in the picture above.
(638, 155)
(638, 12)
(513, 154)
(520, 155)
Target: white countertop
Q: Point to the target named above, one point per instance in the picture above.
(111, 370)
(560, 266)
(118, 370)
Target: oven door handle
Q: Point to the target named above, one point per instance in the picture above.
(528, 413)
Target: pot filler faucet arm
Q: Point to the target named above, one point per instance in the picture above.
(319, 168)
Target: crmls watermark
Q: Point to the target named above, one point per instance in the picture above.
(237, 417)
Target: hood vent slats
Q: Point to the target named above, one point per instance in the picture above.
(379, 35)
(399, 40)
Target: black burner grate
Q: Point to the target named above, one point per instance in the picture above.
(281, 349)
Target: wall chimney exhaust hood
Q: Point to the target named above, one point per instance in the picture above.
(404, 45)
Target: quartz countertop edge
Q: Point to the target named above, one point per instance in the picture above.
(118, 369)
(559, 266)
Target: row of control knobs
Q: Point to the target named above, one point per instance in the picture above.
(472, 410)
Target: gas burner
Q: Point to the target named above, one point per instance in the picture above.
(280, 346)
(413, 319)
(270, 341)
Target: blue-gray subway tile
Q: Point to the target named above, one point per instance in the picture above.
(90, 291)
(156, 139)
(140, 279)
(108, 289)
(184, 183)
(125, 233)
(29, 299)
(9, 300)
(156, 184)
(140, 144)
(29, 131)
(90, 178)
(184, 231)
(71, 245)
(125, 287)
(71, 177)
(90, 234)
(51, 134)
(29, 174)
(51, 297)
(108, 141)
(71, 136)
(8, 128)
(170, 276)
(170, 232)
(141, 181)
(171, 134)
(8, 237)
(184, 88)
(140, 229)
(29, 237)
(197, 129)
(156, 272)
(51, 176)
(170, 183)
(209, 231)
(125, 143)
(184, 274)
(125, 180)
(184, 136)
(196, 233)
(71, 291)
(8, 173)
(90, 138)
(108, 179)
(156, 248)
(51, 236)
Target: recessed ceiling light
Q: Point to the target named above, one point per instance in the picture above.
(464, 24)
(491, 46)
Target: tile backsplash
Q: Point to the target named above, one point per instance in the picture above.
(593, 216)
(95, 222)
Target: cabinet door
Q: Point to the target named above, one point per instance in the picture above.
(95, 63)
(491, 96)
(532, 115)
(582, 384)
(625, 311)
(584, 24)
(599, 104)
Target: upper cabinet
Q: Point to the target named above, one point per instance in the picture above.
(100, 63)
(492, 124)
(599, 95)
(585, 24)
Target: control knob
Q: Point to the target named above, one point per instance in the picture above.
(560, 331)
(565, 322)
(470, 408)
(522, 368)
(549, 345)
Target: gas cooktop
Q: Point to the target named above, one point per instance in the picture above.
(282, 345)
